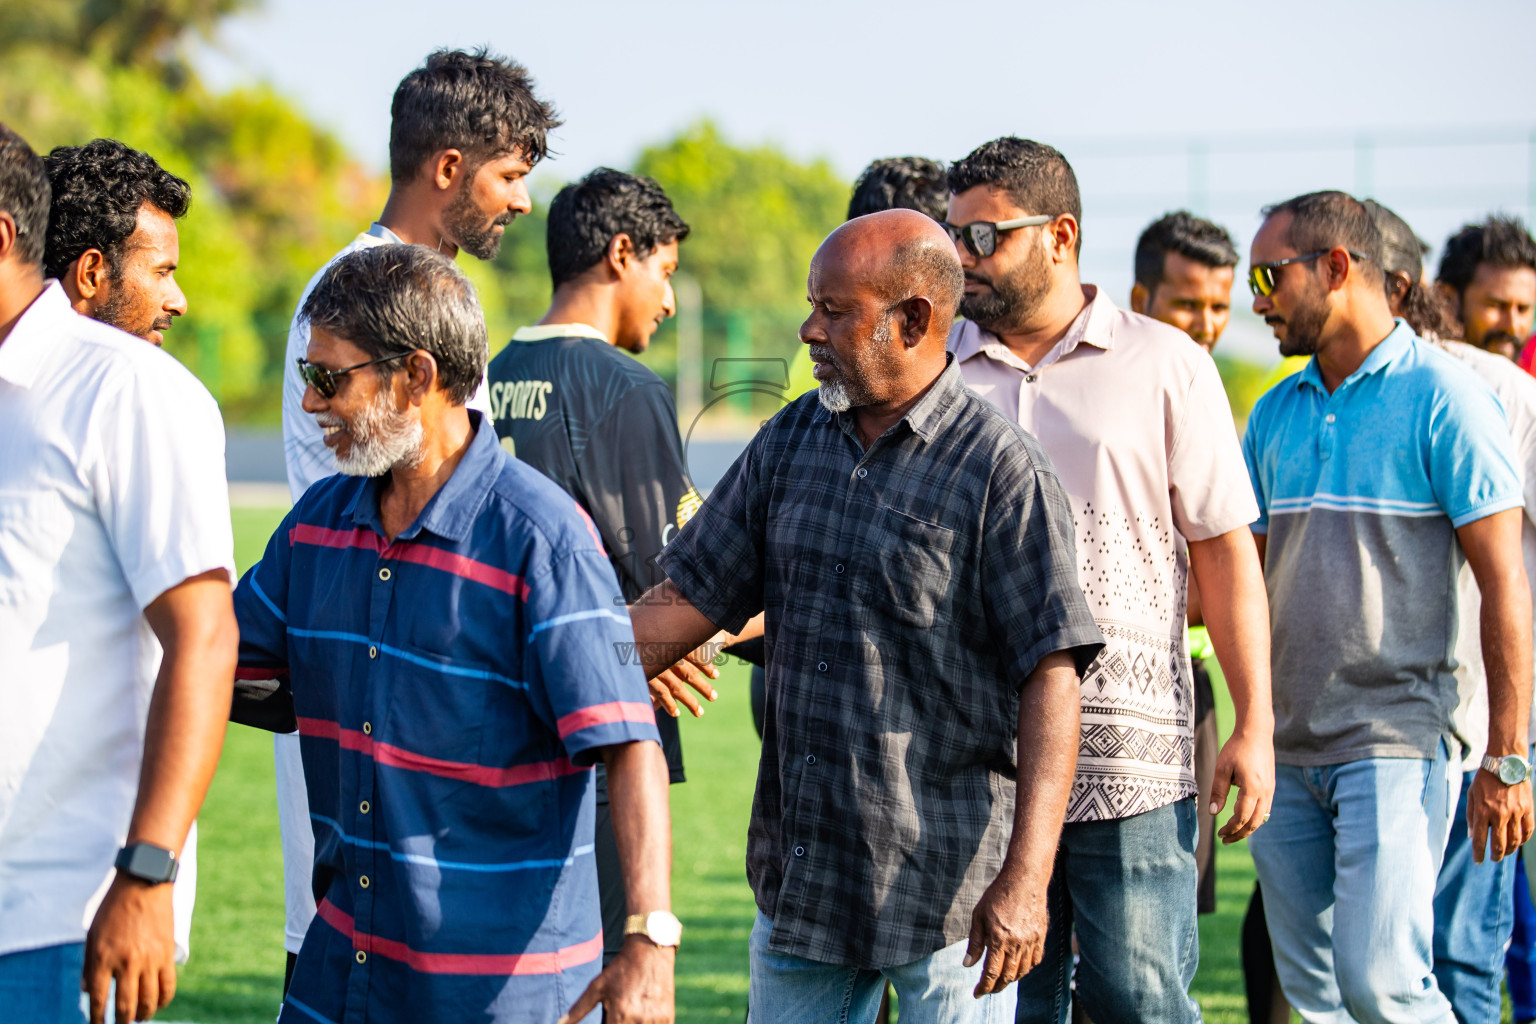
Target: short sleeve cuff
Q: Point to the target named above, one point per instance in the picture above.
(587, 730)
(1083, 643)
(179, 566)
(1486, 509)
(725, 614)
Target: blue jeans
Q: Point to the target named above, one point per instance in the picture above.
(787, 989)
(1129, 886)
(1520, 961)
(1348, 862)
(1474, 913)
(42, 986)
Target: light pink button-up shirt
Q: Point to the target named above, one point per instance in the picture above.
(1134, 417)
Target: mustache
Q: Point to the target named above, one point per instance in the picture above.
(163, 324)
(1272, 320)
(503, 220)
(974, 278)
(823, 354)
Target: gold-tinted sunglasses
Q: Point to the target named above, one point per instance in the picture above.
(1261, 276)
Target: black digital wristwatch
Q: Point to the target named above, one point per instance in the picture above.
(147, 863)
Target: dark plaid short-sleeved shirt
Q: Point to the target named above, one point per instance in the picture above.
(910, 591)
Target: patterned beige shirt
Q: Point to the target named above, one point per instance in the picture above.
(1134, 417)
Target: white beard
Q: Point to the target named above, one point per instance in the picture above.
(381, 439)
(834, 396)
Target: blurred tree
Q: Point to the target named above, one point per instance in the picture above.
(273, 196)
(757, 215)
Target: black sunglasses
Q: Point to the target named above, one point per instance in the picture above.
(1261, 276)
(980, 236)
(324, 381)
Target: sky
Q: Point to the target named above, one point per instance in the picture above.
(1216, 107)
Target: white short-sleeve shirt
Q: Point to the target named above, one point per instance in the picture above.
(304, 447)
(1135, 420)
(112, 491)
(1516, 390)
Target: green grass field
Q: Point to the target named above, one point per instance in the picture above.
(236, 970)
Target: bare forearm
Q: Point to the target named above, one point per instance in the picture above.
(1506, 638)
(1048, 739)
(637, 795)
(667, 627)
(1235, 607)
(187, 715)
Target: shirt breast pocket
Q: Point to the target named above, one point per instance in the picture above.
(911, 578)
(35, 528)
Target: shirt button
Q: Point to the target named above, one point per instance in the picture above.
(821, 666)
(383, 574)
(361, 957)
(362, 880)
(810, 758)
(1029, 378)
(799, 851)
(373, 652)
(365, 807)
(838, 568)
(367, 728)
(863, 472)
(1329, 418)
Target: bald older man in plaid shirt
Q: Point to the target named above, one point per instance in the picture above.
(913, 552)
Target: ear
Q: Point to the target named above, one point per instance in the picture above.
(1398, 283)
(447, 168)
(8, 234)
(1336, 267)
(87, 276)
(913, 317)
(420, 376)
(1140, 298)
(1063, 235)
(621, 254)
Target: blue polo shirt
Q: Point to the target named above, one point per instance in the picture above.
(1360, 493)
(453, 689)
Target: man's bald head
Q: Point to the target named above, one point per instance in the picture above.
(899, 254)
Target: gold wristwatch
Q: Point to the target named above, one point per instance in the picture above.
(660, 927)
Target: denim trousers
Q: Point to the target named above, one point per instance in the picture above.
(787, 989)
(1348, 862)
(1474, 915)
(42, 986)
(1520, 961)
(1129, 888)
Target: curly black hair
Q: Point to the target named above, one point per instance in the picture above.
(98, 189)
(476, 102)
(1499, 241)
(24, 194)
(901, 182)
(587, 214)
(1194, 238)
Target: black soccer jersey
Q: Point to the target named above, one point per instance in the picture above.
(604, 427)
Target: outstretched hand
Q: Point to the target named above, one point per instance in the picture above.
(1247, 762)
(672, 686)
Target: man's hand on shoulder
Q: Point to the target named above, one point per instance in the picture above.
(131, 940)
(636, 988)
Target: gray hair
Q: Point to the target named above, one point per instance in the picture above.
(395, 299)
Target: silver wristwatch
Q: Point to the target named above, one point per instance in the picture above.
(1510, 770)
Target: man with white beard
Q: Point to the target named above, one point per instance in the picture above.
(442, 620)
(465, 130)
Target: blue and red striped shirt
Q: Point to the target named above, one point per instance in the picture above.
(453, 689)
